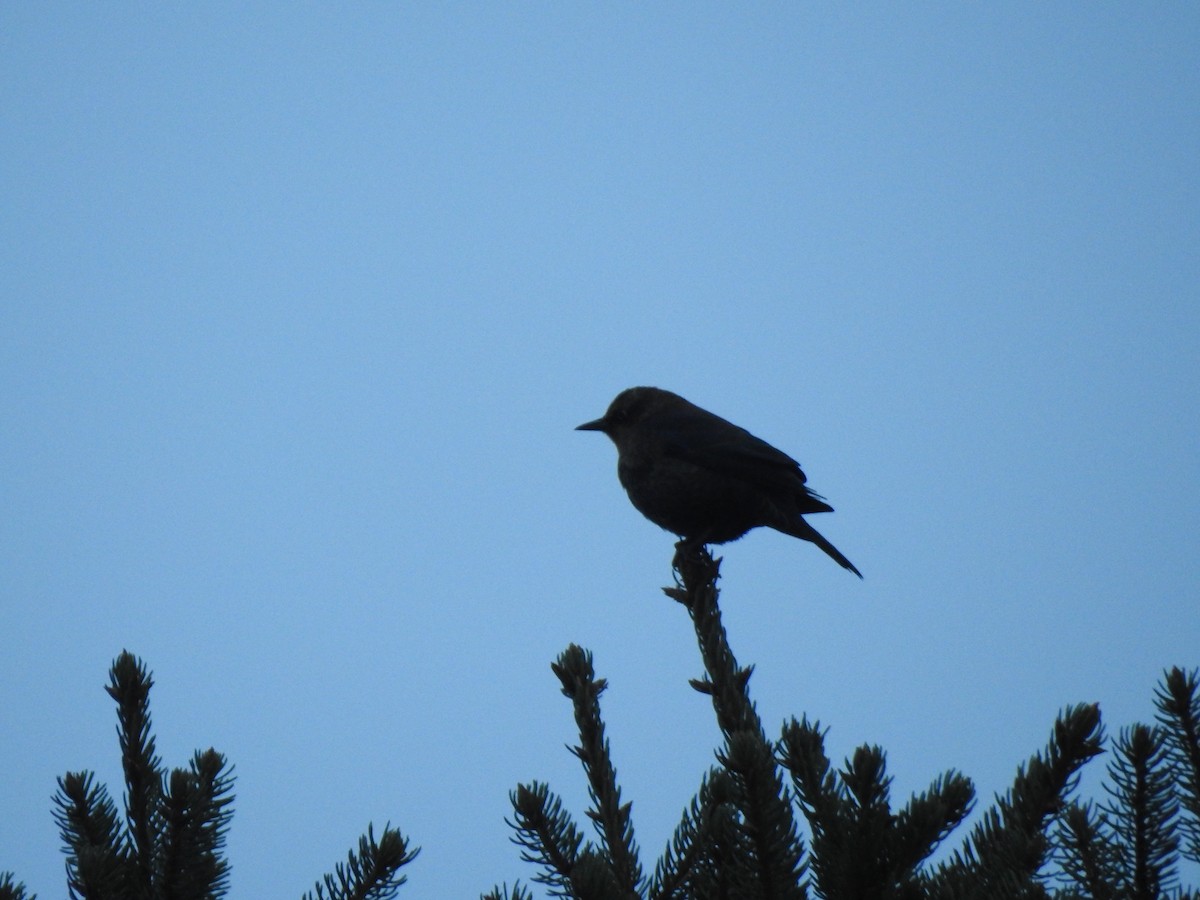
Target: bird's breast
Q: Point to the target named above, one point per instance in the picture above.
(689, 500)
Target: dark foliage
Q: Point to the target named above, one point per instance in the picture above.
(170, 843)
(1178, 702)
(738, 838)
(579, 682)
(548, 835)
(860, 848)
(370, 874)
(1142, 810)
(504, 892)
(10, 889)
(1006, 853)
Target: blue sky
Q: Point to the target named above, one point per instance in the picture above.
(301, 304)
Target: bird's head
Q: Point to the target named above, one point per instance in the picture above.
(630, 408)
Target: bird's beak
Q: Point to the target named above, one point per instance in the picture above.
(594, 425)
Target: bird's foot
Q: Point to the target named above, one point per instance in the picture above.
(688, 551)
(691, 567)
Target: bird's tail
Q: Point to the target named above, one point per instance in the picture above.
(801, 529)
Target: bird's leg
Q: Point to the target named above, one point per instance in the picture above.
(692, 567)
(685, 550)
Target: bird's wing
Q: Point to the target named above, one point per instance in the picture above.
(708, 441)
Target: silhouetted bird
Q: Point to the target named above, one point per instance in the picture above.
(703, 478)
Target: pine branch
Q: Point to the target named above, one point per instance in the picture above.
(372, 873)
(129, 685)
(1007, 849)
(594, 879)
(697, 573)
(98, 863)
(929, 818)
(612, 818)
(860, 849)
(549, 837)
(768, 824)
(196, 814)
(869, 822)
(1143, 809)
(503, 892)
(1178, 700)
(13, 890)
(172, 842)
(774, 853)
(694, 864)
(802, 752)
(1089, 855)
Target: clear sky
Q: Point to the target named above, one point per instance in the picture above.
(300, 304)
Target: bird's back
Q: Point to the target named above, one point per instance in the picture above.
(715, 445)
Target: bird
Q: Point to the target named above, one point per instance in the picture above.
(703, 478)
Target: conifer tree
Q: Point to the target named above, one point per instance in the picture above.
(739, 837)
(169, 844)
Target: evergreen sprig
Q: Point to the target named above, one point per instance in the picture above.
(170, 845)
(929, 818)
(547, 834)
(859, 847)
(10, 889)
(196, 810)
(1089, 856)
(697, 862)
(99, 862)
(504, 892)
(1142, 809)
(1007, 849)
(772, 864)
(371, 874)
(1177, 699)
(129, 685)
(612, 818)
